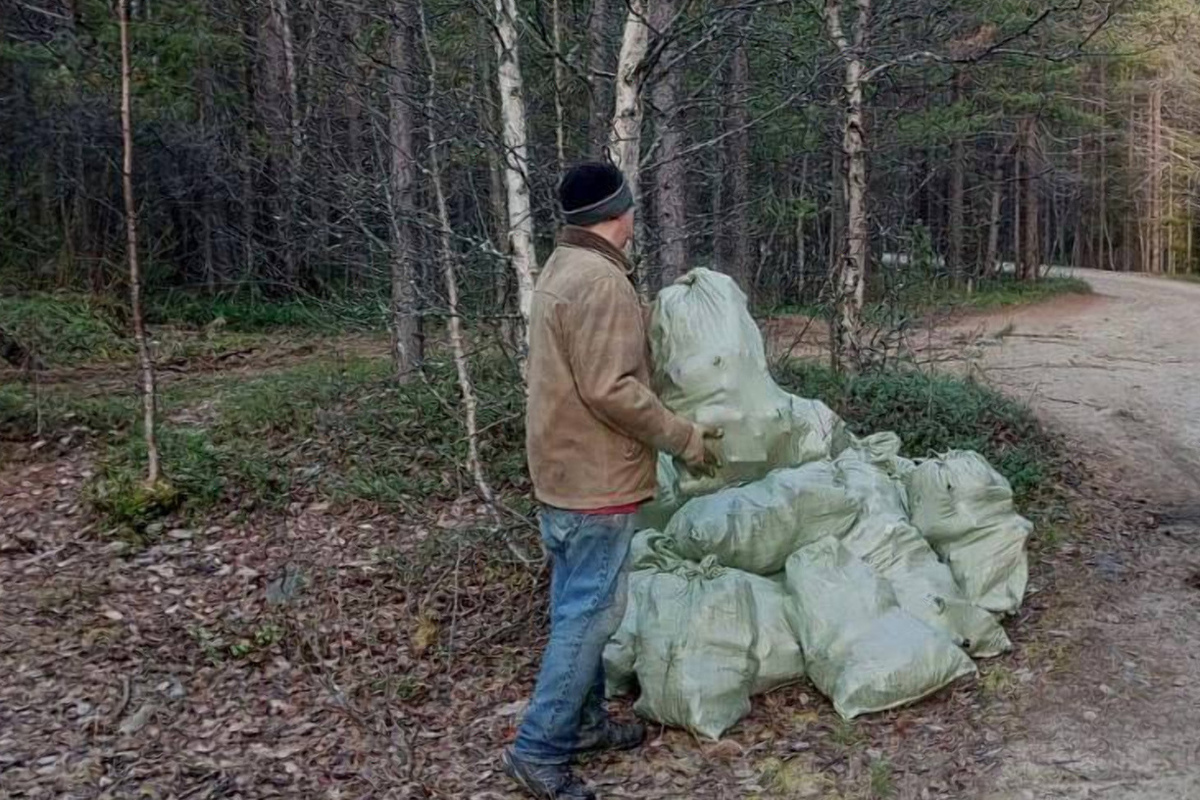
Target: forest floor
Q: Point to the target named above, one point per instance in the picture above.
(344, 651)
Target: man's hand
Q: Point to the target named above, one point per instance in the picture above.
(703, 454)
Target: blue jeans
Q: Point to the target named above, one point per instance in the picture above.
(587, 601)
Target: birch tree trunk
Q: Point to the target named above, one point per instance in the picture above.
(670, 179)
(852, 265)
(407, 342)
(145, 362)
(516, 157)
(625, 141)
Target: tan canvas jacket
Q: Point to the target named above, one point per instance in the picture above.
(593, 424)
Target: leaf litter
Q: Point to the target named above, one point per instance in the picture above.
(326, 653)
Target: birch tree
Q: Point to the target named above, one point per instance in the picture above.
(625, 140)
(851, 270)
(145, 361)
(516, 159)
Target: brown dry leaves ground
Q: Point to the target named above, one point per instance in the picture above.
(399, 665)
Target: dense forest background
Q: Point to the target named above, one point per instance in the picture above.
(353, 149)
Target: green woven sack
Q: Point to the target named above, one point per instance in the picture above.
(964, 508)
(695, 637)
(710, 366)
(863, 651)
(757, 526)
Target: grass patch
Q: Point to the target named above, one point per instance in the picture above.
(998, 680)
(64, 329)
(993, 293)
(881, 782)
(29, 412)
(341, 431)
(922, 296)
(933, 414)
(245, 313)
(1186, 277)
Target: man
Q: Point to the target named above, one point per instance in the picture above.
(593, 429)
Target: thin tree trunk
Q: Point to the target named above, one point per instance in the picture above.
(145, 362)
(1079, 255)
(956, 211)
(497, 222)
(670, 179)
(958, 168)
(1105, 244)
(245, 148)
(991, 261)
(407, 342)
(516, 150)
(1016, 208)
(282, 25)
(1130, 169)
(739, 167)
(1154, 167)
(206, 203)
(1030, 260)
(599, 104)
(559, 88)
(801, 242)
(852, 265)
(446, 258)
(1191, 235)
(837, 207)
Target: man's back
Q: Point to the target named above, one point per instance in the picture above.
(585, 321)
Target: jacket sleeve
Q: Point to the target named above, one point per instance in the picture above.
(607, 351)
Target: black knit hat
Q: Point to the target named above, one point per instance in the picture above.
(593, 192)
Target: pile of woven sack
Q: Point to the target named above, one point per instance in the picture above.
(810, 552)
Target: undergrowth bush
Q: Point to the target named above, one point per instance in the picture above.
(346, 431)
(342, 431)
(936, 413)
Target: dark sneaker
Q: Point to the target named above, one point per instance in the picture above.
(545, 781)
(610, 735)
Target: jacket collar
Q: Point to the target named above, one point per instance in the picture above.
(574, 236)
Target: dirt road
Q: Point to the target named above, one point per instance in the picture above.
(1119, 375)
